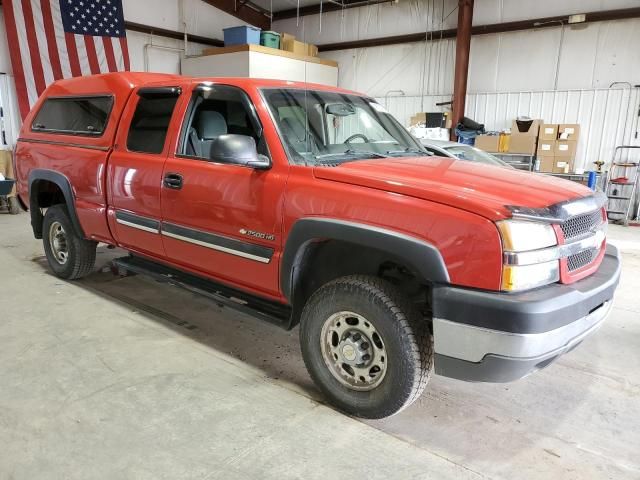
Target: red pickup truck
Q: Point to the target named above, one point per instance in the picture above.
(307, 204)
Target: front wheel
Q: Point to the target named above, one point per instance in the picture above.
(366, 346)
(69, 255)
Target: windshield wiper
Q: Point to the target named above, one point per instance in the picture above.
(352, 152)
(408, 150)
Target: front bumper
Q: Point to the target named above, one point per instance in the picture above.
(499, 337)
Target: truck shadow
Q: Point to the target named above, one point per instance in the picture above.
(262, 345)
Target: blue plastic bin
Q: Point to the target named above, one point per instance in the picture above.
(241, 36)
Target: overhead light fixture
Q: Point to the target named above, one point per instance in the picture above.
(579, 18)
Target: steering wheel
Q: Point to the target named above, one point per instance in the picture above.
(357, 135)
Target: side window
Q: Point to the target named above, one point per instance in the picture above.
(219, 110)
(74, 115)
(150, 123)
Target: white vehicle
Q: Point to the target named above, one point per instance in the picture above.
(444, 148)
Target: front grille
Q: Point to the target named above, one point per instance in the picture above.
(581, 225)
(582, 259)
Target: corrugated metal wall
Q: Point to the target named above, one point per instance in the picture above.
(10, 122)
(607, 117)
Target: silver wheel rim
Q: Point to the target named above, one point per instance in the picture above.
(58, 243)
(353, 351)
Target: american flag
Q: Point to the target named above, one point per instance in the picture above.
(54, 39)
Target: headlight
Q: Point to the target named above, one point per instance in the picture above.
(522, 236)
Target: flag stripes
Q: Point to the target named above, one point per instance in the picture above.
(54, 39)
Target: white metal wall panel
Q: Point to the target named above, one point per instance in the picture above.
(592, 56)
(10, 122)
(607, 117)
(412, 16)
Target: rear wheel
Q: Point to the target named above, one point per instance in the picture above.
(366, 346)
(69, 255)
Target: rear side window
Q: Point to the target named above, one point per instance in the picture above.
(148, 130)
(74, 115)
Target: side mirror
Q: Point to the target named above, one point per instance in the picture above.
(239, 150)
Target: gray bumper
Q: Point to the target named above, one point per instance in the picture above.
(496, 337)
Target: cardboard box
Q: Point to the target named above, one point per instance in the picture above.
(565, 148)
(286, 42)
(533, 129)
(548, 131)
(562, 165)
(440, 119)
(553, 164)
(488, 143)
(546, 163)
(523, 143)
(289, 43)
(546, 147)
(569, 131)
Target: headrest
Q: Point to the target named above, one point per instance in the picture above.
(211, 124)
(294, 128)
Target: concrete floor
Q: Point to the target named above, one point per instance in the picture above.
(127, 378)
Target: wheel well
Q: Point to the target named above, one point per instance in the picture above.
(46, 193)
(42, 194)
(324, 261)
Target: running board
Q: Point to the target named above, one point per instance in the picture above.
(266, 310)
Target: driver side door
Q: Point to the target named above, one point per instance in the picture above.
(223, 219)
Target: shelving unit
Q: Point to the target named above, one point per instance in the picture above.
(256, 61)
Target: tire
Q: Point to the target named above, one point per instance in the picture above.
(59, 237)
(371, 306)
(14, 206)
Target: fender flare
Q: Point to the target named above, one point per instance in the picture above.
(420, 255)
(64, 185)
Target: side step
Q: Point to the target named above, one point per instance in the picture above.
(263, 309)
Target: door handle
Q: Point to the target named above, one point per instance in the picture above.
(173, 180)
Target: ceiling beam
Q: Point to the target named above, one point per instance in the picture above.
(245, 10)
(163, 32)
(532, 24)
(327, 6)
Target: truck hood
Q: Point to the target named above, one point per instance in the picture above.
(483, 189)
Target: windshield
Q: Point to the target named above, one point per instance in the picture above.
(324, 127)
(466, 152)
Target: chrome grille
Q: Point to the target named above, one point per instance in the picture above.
(582, 259)
(581, 225)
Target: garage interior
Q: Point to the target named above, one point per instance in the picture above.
(121, 376)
